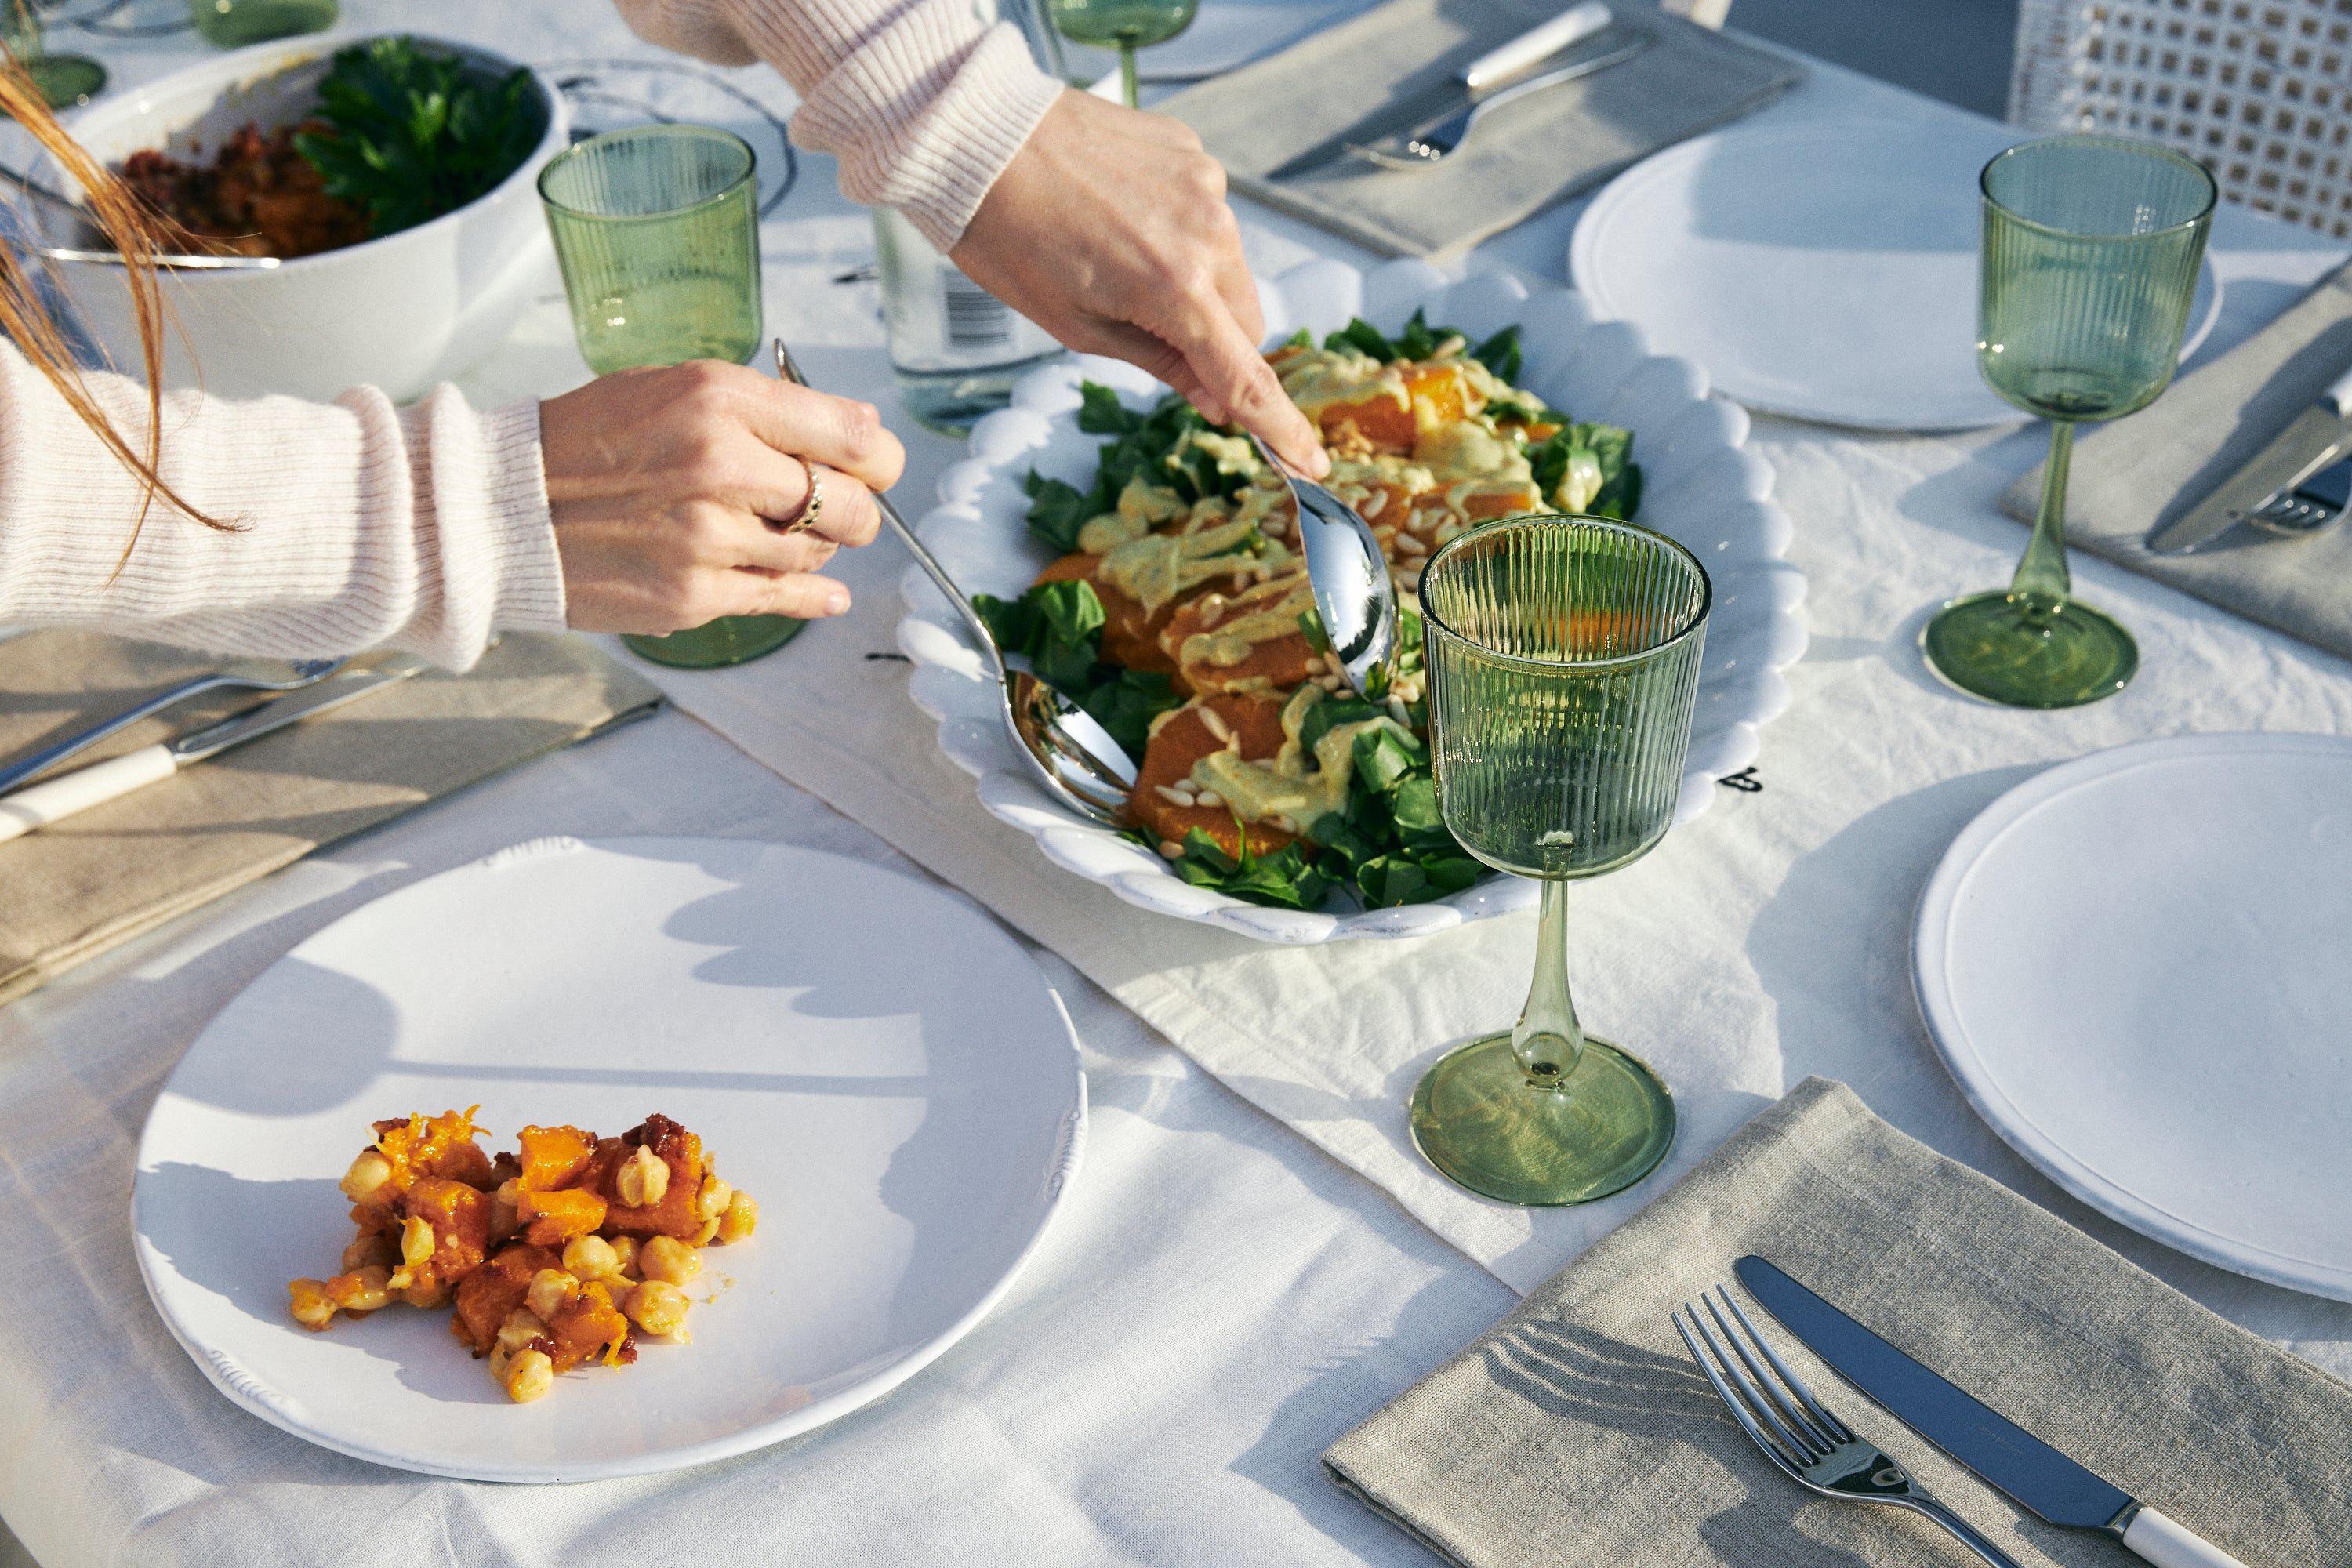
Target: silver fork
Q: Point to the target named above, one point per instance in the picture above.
(1797, 1432)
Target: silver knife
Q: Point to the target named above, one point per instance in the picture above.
(1497, 67)
(37, 806)
(2311, 441)
(2037, 1476)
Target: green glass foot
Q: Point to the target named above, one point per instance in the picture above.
(2028, 650)
(729, 639)
(66, 81)
(1478, 1118)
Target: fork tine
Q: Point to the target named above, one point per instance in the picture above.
(1816, 1442)
(1804, 1449)
(1842, 1433)
(1732, 1402)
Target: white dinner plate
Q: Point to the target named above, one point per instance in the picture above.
(2135, 964)
(1702, 486)
(1826, 272)
(871, 1058)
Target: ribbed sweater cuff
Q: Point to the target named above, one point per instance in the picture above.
(483, 526)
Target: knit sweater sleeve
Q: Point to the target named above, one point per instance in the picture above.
(353, 524)
(922, 103)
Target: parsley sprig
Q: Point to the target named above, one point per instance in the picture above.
(408, 135)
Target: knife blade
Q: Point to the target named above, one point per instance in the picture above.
(2035, 1475)
(2312, 439)
(1496, 67)
(37, 806)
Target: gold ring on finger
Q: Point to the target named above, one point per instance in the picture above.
(814, 507)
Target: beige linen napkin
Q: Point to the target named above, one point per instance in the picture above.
(71, 891)
(1526, 156)
(2143, 471)
(1578, 1431)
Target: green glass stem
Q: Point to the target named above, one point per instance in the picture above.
(2041, 575)
(1126, 78)
(1548, 1039)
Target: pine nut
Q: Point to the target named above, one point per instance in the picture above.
(1215, 724)
(1211, 799)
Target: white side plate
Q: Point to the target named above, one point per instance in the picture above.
(2134, 964)
(872, 1059)
(1702, 486)
(1824, 271)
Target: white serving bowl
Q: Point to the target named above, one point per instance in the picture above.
(400, 313)
(1704, 487)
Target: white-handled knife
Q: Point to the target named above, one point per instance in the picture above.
(1505, 60)
(37, 806)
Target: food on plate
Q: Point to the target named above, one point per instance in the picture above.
(1178, 611)
(400, 136)
(570, 1249)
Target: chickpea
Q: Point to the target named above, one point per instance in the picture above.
(368, 1172)
(624, 1248)
(742, 1218)
(712, 1201)
(591, 1258)
(363, 1290)
(659, 1308)
(551, 1290)
(416, 1243)
(367, 1249)
(312, 1308)
(521, 1327)
(668, 1260)
(529, 1374)
(643, 1179)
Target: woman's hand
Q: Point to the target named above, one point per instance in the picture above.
(1109, 229)
(669, 487)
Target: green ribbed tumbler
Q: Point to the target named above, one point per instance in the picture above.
(2091, 251)
(657, 231)
(1563, 665)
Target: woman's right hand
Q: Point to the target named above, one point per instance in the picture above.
(670, 489)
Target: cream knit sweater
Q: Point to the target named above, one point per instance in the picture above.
(426, 528)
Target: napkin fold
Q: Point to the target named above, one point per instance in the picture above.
(1578, 1431)
(1525, 157)
(2140, 472)
(70, 891)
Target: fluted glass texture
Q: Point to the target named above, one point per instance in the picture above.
(657, 230)
(1563, 663)
(2091, 251)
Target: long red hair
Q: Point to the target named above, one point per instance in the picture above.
(139, 233)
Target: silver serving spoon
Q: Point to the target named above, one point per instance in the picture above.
(279, 677)
(1069, 755)
(74, 210)
(1353, 594)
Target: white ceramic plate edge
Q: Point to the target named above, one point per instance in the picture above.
(1585, 274)
(250, 1394)
(1931, 986)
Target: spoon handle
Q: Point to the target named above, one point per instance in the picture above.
(790, 370)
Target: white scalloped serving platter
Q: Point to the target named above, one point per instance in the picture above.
(1703, 487)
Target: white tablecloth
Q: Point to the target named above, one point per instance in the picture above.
(1221, 1298)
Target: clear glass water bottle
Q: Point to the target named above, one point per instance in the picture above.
(956, 348)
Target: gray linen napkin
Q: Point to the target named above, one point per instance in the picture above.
(1577, 1431)
(70, 892)
(2140, 472)
(1527, 156)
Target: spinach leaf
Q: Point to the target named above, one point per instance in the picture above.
(1287, 879)
(1420, 339)
(1500, 353)
(1362, 335)
(1057, 627)
(408, 135)
(1057, 511)
(1100, 413)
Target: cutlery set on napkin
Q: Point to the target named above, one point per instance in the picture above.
(95, 855)
(1590, 1425)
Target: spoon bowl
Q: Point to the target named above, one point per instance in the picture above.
(1353, 592)
(1067, 753)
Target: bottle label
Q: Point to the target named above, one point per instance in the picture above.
(977, 322)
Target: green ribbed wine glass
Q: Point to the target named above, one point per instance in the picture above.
(2090, 250)
(1563, 663)
(657, 231)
